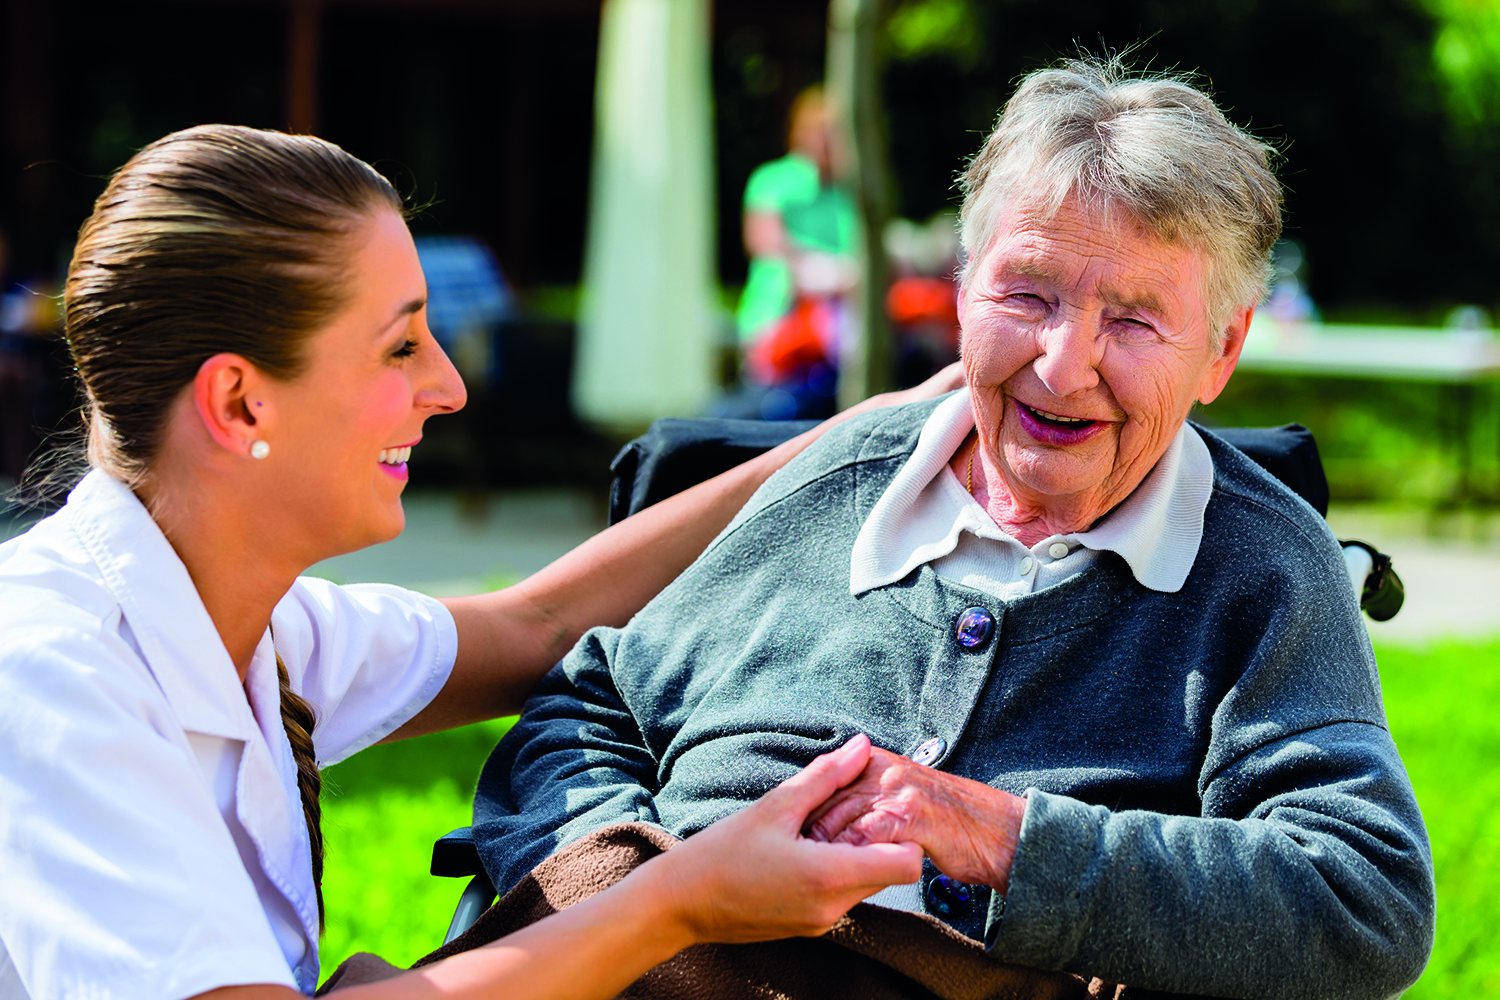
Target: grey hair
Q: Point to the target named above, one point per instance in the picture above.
(1150, 145)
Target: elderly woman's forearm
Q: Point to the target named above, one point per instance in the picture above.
(1324, 890)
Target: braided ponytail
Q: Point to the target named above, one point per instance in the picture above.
(297, 716)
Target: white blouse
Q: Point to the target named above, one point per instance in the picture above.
(152, 842)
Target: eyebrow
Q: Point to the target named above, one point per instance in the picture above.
(1045, 271)
(1139, 301)
(1028, 267)
(409, 309)
(412, 307)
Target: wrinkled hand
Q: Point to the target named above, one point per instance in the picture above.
(968, 828)
(753, 876)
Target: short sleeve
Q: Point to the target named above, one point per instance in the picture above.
(119, 876)
(775, 185)
(368, 657)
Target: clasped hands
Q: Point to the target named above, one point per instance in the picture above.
(849, 824)
(968, 829)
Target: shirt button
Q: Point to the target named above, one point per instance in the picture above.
(949, 897)
(975, 627)
(1057, 550)
(1026, 565)
(929, 751)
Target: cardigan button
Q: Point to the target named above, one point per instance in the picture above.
(929, 751)
(948, 897)
(1057, 550)
(975, 626)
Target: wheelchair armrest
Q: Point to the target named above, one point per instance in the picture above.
(454, 854)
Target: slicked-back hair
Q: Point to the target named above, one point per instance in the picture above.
(1150, 146)
(215, 239)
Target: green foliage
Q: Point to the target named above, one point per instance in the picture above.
(1466, 54)
(395, 800)
(934, 28)
(1414, 442)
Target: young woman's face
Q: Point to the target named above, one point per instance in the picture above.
(373, 376)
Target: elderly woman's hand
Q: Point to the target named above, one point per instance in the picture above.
(968, 828)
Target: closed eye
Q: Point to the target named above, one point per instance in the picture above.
(407, 348)
(1134, 330)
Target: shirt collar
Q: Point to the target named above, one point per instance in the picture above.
(1157, 529)
(176, 636)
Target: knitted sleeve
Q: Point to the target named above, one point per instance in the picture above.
(574, 762)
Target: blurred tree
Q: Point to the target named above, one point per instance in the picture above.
(1466, 55)
(1387, 111)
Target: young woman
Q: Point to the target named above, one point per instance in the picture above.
(246, 313)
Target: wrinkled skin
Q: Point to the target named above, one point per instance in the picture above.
(1088, 317)
(968, 828)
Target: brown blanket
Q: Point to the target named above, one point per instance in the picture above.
(871, 954)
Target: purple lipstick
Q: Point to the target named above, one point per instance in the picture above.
(1054, 429)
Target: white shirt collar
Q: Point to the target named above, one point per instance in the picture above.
(181, 646)
(1157, 529)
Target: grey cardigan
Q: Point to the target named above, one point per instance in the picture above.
(1215, 805)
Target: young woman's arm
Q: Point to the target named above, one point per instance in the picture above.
(509, 638)
(749, 877)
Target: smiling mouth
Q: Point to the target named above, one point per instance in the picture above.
(1058, 419)
(1054, 428)
(395, 456)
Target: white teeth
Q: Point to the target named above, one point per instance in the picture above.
(394, 456)
(1062, 419)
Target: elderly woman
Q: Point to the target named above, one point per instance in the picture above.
(1121, 691)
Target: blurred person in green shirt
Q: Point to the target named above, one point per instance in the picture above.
(800, 232)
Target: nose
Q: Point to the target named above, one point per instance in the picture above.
(1069, 356)
(442, 390)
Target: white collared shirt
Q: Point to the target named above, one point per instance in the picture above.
(927, 516)
(152, 842)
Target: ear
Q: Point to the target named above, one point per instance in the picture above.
(226, 397)
(1217, 375)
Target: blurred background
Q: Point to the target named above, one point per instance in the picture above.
(643, 208)
(587, 175)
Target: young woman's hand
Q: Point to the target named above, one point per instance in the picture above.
(754, 877)
(945, 381)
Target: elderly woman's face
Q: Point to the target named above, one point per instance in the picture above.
(1085, 343)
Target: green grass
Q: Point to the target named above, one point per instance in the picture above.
(1444, 709)
(382, 809)
(391, 802)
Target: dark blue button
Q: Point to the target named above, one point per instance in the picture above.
(975, 626)
(949, 897)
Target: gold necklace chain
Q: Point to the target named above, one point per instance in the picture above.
(972, 449)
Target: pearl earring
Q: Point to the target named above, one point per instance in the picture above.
(260, 450)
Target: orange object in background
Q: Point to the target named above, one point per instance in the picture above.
(794, 345)
(915, 300)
